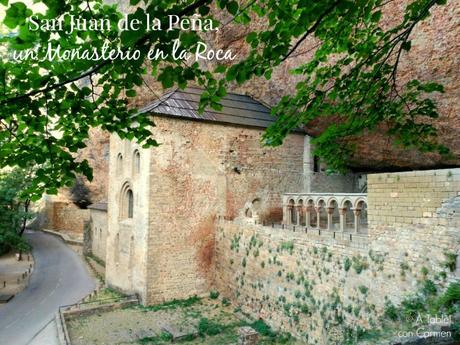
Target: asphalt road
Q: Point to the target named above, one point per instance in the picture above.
(59, 278)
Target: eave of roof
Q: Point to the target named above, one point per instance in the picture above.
(101, 206)
(236, 109)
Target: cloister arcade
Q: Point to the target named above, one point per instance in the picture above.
(345, 212)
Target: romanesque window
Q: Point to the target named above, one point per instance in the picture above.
(127, 202)
(130, 203)
(119, 163)
(136, 162)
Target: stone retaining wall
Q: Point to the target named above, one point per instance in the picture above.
(313, 286)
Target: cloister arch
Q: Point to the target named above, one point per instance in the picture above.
(331, 211)
(349, 220)
(311, 211)
(322, 214)
(361, 215)
(292, 212)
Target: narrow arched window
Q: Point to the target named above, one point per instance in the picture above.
(129, 195)
(126, 202)
(136, 162)
(119, 163)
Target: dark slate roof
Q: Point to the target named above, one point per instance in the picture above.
(237, 109)
(101, 206)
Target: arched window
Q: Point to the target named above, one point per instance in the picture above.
(119, 163)
(136, 162)
(130, 203)
(127, 202)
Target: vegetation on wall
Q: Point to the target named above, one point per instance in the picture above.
(313, 292)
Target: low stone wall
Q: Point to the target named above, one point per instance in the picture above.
(315, 286)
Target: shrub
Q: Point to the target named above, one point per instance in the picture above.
(412, 306)
(451, 261)
(214, 294)
(208, 327)
(428, 288)
(225, 302)
(359, 264)
(263, 329)
(288, 245)
(390, 311)
(346, 264)
(424, 271)
(451, 296)
(363, 289)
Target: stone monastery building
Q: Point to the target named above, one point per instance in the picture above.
(213, 209)
(164, 202)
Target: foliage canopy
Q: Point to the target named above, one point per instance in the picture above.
(48, 107)
(14, 209)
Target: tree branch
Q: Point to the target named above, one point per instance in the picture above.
(311, 29)
(185, 11)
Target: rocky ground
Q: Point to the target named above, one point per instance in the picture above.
(194, 321)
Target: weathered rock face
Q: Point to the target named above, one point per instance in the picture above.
(97, 154)
(435, 56)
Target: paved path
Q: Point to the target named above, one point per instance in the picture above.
(59, 278)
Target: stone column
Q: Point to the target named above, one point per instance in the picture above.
(357, 213)
(290, 214)
(299, 214)
(307, 217)
(317, 209)
(285, 214)
(343, 213)
(330, 212)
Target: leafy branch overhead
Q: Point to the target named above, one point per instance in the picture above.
(48, 107)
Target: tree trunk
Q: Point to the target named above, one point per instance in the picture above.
(24, 222)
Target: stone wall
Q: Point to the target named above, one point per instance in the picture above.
(127, 238)
(316, 284)
(409, 197)
(98, 232)
(64, 216)
(199, 171)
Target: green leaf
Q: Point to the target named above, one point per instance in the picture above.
(131, 93)
(16, 15)
(232, 7)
